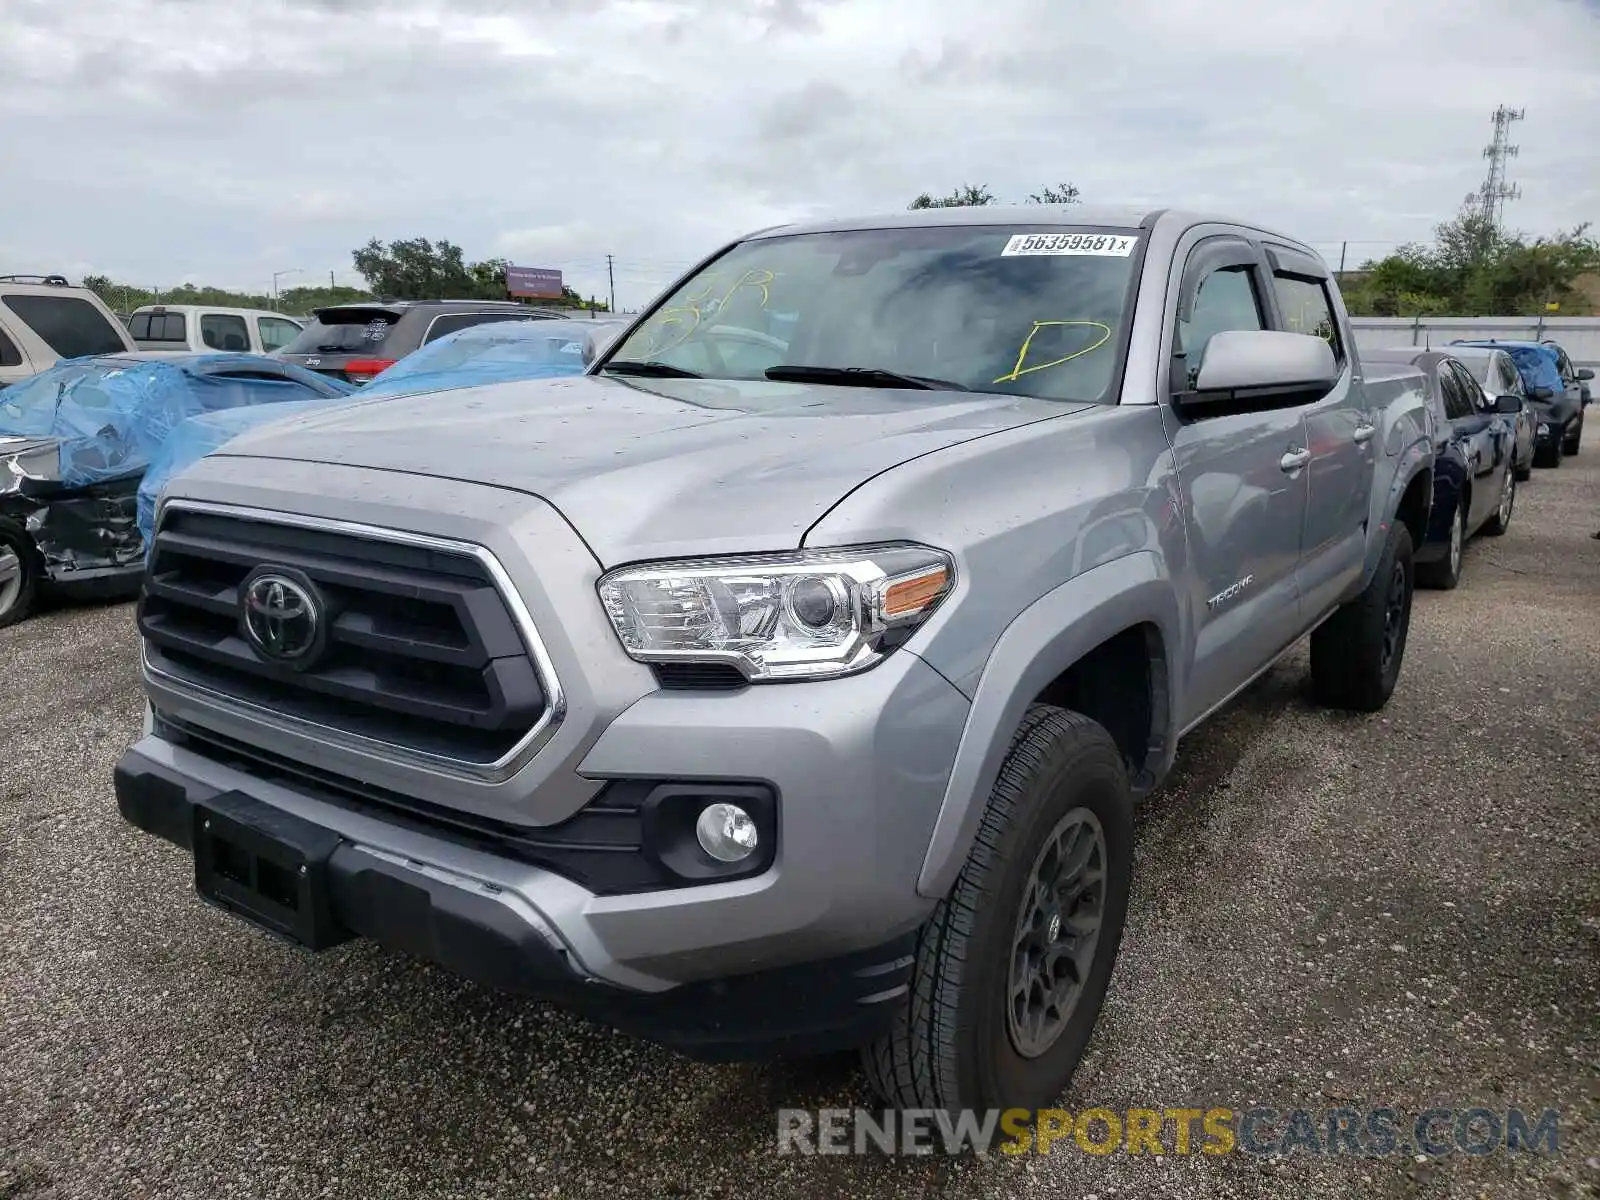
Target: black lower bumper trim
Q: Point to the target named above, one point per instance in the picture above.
(811, 1008)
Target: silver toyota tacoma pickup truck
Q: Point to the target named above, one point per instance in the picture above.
(787, 682)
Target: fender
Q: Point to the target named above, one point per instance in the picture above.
(1044, 640)
(1414, 459)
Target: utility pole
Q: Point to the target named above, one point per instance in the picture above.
(331, 284)
(1492, 194)
(612, 279)
(1343, 249)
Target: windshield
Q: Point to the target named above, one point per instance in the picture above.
(1025, 310)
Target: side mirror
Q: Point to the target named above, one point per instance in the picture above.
(1585, 374)
(1507, 405)
(1261, 368)
(1541, 393)
(597, 341)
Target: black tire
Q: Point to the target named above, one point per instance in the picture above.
(1445, 574)
(1524, 474)
(17, 592)
(1501, 521)
(1549, 456)
(953, 1045)
(1353, 664)
(1574, 439)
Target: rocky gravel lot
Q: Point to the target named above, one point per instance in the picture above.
(1395, 910)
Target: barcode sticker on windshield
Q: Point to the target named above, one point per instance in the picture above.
(1107, 245)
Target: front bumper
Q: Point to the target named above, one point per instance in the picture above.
(487, 933)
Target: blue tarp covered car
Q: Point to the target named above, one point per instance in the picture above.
(75, 441)
(1556, 403)
(499, 352)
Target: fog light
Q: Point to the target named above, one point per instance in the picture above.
(726, 832)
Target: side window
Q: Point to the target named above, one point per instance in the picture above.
(224, 331)
(451, 322)
(276, 332)
(10, 356)
(1307, 309)
(69, 326)
(1475, 399)
(1511, 378)
(1455, 404)
(1226, 299)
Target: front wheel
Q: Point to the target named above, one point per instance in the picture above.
(19, 573)
(1013, 965)
(1574, 439)
(1357, 652)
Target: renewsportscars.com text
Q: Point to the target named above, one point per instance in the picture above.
(1368, 1132)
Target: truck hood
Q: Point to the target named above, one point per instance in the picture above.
(654, 468)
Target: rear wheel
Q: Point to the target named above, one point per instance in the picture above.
(1446, 573)
(19, 573)
(1012, 967)
(1501, 520)
(1356, 654)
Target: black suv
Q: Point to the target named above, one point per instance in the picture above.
(356, 342)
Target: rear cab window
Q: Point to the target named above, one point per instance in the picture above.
(158, 327)
(70, 326)
(358, 330)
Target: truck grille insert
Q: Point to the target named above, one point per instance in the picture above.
(419, 650)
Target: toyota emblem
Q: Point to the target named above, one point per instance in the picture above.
(282, 617)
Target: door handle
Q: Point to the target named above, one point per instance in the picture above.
(1294, 460)
(1364, 433)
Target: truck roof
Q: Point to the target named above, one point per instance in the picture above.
(1116, 216)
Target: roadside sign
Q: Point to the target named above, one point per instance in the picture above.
(533, 281)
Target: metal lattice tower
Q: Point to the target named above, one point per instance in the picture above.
(1490, 198)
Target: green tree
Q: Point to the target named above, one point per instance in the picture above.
(1473, 269)
(964, 196)
(415, 269)
(1065, 193)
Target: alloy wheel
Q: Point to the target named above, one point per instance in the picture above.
(10, 578)
(1057, 930)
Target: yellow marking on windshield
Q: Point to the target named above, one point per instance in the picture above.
(1018, 371)
(691, 305)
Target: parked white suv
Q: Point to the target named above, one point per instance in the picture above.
(196, 328)
(44, 319)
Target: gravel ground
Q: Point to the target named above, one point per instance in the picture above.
(1393, 910)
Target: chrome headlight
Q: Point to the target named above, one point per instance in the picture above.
(808, 614)
(1543, 429)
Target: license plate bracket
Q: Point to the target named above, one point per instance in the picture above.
(267, 867)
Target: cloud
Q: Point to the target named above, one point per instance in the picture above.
(157, 139)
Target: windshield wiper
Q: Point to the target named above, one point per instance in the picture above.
(861, 377)
(661, 370)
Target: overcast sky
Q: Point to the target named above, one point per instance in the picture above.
(219, 141)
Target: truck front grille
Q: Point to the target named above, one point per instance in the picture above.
(420, 650)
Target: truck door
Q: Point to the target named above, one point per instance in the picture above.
(1243, 486)
(1341, 433)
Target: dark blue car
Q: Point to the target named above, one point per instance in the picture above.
(1474, 474)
